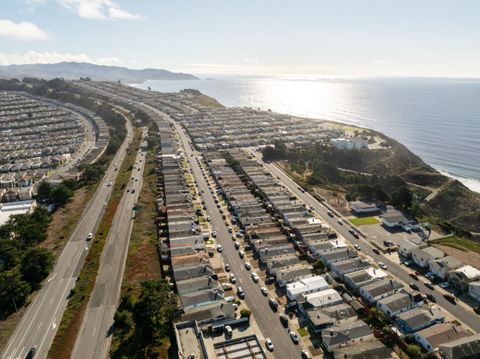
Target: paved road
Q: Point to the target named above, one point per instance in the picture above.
(94, 337)
(40, 322)
(463, 314)
(267, 320)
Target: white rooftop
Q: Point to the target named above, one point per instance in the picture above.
(307, 284)
(469, 271)
(324, 298)
(13, 208)
(375, 272)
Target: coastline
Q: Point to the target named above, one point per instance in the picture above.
(471, 183)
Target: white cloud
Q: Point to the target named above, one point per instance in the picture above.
(25, 31)
(378, 62)
(34, 57)
(99, 10)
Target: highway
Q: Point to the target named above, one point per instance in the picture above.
(266, 319)
(94, 337)
(463, 314)
(40, 322)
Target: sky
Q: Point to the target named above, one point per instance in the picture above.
(249, 37)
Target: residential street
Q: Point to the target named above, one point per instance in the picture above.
(464, 315)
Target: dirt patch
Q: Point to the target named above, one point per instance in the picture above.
(335, 199)
(65, 220)
(467, 257)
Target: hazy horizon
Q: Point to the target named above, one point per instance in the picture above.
(344, 38)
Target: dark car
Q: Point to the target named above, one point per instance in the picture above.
(31, 353)
(375, 250)
(431, 298)
(284, 320)
(414, 286)
(273, 303)
(450, 298)
(414, 276)
(429, 285)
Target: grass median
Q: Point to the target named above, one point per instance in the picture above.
(143, 264)
(78, 299)
(361, 221)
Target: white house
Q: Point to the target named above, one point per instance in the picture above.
(393, 218)
(350, 143)
(474, 290)
(324, 298)
(423, 256)
(432, 337)
(306, 286)
(405, 247)
(461, 277)
(441, 267)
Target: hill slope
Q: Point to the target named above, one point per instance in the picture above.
(75, 70)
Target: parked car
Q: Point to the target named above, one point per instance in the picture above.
(240, 293)
(284, 320)
(340, 222)
(228, 331)
(237, 245)
(431, 298)
(330, 213)
(444, 285)
(214, 234)
(375, 250)
(273, 303)
(414, 286)
(294, 336)
(248, 266)
(241, 254)
(227, 267)
(269, 344)
(408, 263)
(357, 247)
(451, 298)
(306, 355)
(414, 276)
(232, 278)
(382, 265)
(219, 248)
(429, 285)
(255, 277)
(264, 290)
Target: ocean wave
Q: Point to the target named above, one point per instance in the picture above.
(470, 183)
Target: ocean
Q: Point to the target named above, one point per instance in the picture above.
(437, 119)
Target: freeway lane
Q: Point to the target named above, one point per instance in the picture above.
(267, 320)
(464, 315)
(94, 337)
(40, 322)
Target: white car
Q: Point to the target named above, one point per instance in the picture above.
(294, 336)
(241, 254)
(232, 278)
(269, 344)
(214, 234)
(264, 290)
(237, 245)
(340, 222)
(248, 266)
(89, 236)
(382, 265)
(255, 277)
(219, 248)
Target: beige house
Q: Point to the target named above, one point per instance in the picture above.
(474, 290)
(441, 267)
(423, 256)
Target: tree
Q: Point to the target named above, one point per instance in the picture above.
(402, 198)
(13, 292)
(318, 267)
(61, 195)
(245, 313)
(414, 351)
(43, 191)
(123, 321)
(36, 265)
(9, 254)
(153, 309)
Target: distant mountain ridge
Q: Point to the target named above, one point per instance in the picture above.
(75, 70)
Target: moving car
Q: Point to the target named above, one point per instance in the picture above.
(451, 298)
(31, 352)
(357, 247)
(227, 267)
(382, 265)
(214, 234)
(89, 236)
(431, 298)
(219, 248)
(375, 250)
(340, 222)
(269, 344)
(413, 275)
(330, 213)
